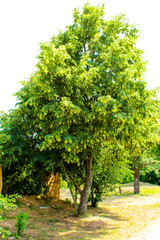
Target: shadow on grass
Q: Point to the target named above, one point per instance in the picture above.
(94, 229)
(58, 221)
(98, 223)
(113, 216)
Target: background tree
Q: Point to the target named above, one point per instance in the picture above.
(143, 135)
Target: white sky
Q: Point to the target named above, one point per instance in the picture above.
(26, 23)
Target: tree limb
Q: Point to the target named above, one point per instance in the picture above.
(72, 178)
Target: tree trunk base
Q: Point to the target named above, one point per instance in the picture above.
(52, 186)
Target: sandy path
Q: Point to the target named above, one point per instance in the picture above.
(151, 232)
(120, 200)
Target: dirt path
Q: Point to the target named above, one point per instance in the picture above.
(131, 200)
(120, 200)
(151, 232)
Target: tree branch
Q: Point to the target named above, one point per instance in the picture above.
(72, 178)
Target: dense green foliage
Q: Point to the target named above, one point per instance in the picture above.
(22, 179)
(88, 90)
(23, 164)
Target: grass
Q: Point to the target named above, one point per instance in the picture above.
(33, 226)
(31, 207)
(127, 190)
(52, 229)
(52, 220)
(62, 230)
(149, 192)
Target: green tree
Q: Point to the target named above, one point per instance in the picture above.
(143, 136)
(16, 155)
(88, 87)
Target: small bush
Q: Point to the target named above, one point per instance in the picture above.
(22, 219)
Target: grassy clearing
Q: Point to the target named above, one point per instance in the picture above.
(146, 189)
(118, 217)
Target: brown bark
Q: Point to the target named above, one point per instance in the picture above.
(52, 185)
(136, 176)
(136, 180)
(1, 180)
(87, 187)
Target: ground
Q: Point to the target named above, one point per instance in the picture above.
(117, 217)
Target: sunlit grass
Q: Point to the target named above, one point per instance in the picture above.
(128, 190)
(149, 191)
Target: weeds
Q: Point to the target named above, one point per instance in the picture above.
(31, 207)
(43, 233)
(50, 235)
(52, 220)
(51, 228)
(62, 230)
(22, 219)
(32, 226)
(67, 201)
(58, 207)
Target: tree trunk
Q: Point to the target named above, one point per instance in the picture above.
(136, 174)
(136, 180)
(93, 199)
(87, 187)
(52, 185)
(1, 180)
